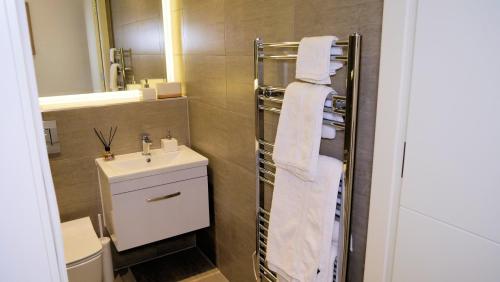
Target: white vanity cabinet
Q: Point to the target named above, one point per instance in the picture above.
(149, 200)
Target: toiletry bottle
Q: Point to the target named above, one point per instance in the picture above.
(169, 144)
(148, 94)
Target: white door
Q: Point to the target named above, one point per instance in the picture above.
(449, 216)
(31, 247)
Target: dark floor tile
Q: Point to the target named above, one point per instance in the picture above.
(174, 267)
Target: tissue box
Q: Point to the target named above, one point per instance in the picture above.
(168, 90)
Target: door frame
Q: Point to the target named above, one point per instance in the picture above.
(396, 61)
(39, 213)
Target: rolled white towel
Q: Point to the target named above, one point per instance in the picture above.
(336, 51)
(334, 66)
(328, 103)
(333, 117)
(329, 132)
(113, 77)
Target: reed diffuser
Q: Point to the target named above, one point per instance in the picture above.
(108, 155)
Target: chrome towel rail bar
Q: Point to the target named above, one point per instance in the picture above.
(294, 56)
(346, 106)
(336, 124)
(340, 43)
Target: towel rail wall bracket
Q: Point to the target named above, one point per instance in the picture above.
(346, 106)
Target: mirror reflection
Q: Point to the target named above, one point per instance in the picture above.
(86, 46)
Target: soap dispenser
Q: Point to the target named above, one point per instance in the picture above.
(169, 144)
(148, 94)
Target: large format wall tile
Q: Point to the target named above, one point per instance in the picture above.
(205, 79)
(247, 19)
(203, 27)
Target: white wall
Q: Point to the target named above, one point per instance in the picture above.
(62, 56)
(449, 228)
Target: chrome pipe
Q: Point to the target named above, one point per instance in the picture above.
(272, 89)
(266, 181)
(264, 152)
(336, 124)
(265, 221)
(271, 99)
(262, 210)
(268, 172)
(352, 89)
(266, 162)
(294, 57)
(265, 143)
(340, 43)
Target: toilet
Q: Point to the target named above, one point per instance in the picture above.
(82, 251)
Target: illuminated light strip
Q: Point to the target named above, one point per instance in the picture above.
(168, 37)
(90, 99)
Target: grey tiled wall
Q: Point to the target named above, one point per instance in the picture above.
(218, 56)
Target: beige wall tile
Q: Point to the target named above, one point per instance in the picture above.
(247, 19)
(205, 79)
(208, 129)
(240, 93)
(203, 27)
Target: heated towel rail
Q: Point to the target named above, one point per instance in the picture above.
(267, 99)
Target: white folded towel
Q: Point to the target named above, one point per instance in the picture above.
(336, 51)
(333, 117)
(329, 132)
(113, 77)
(301, 222)
(313, 59)
(299, 129)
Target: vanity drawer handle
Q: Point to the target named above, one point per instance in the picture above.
(163, 197)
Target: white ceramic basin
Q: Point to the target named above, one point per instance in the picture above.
(136, 165)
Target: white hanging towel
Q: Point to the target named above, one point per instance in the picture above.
(302, 222)
(328, 256)
(112, 55)
(113, 77)
(298, 137)
(313, 59)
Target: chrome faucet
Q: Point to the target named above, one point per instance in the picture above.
(146, 145)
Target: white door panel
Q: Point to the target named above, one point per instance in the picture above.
(452, 163)
(431, 251)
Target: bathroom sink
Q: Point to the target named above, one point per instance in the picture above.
(135, 165)
(150, 198)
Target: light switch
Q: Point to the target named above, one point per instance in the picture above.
(51, 139)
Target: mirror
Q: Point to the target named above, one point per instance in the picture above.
(87, 46)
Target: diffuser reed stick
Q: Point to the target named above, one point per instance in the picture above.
(107, 142)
